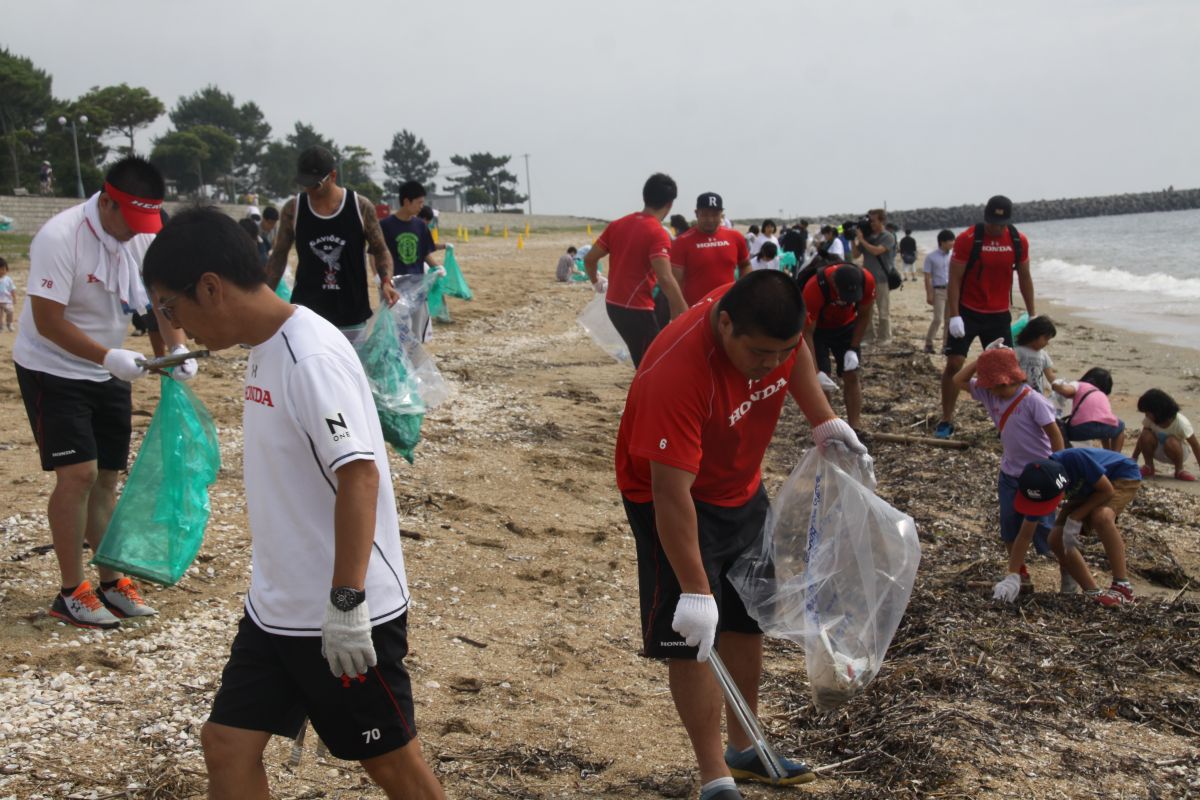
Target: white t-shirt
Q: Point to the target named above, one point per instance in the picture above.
(7, 288)
(758, 240)
(308, 410)
(836, 248)
(1180, 427)
(61, 258)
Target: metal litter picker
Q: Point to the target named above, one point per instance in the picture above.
(746, 719)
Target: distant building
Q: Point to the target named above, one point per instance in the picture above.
(445, 202)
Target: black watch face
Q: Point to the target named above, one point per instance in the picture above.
(345, 598)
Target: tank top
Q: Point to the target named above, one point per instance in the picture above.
(331, 273)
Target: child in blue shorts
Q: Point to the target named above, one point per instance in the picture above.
(1028, 432)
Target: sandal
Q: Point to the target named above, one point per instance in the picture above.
(1184, 475)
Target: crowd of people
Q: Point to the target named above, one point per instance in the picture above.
(727, 326)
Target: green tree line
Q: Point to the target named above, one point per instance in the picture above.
(214, 142)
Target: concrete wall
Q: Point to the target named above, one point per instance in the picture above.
(29, 213)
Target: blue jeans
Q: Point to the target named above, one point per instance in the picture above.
(1011, 519)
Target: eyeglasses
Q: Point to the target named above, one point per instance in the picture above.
(167, 311)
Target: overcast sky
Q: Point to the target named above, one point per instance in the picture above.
(779, 106)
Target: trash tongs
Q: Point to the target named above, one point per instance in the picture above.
(747, 720)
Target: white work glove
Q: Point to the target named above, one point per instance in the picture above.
(346, 640)
(601, 285)
(957, 329)
(836, 430)
(696, 621)
(124, 364)
(850, 362)
(998, 344)
(1071, 529)
(187, 370)
(828, 385)
(1007, 589)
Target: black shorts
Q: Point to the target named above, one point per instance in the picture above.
(273, 683)
(986, 327)
(725, 533)
(637, 327)
(76, 421)
(835, 341)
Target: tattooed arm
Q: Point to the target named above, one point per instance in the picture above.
(285, 234)
(377, 247)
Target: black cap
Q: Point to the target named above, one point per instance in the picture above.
(313, 165)
(998, 211)
(1040, 487)
(849, 282)
(710, 200)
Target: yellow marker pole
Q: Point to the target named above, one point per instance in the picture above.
(434, 233)
(466, 235)
(505, 231)
(520, 242)
(589, 230)
(487, 230)
(526, 230)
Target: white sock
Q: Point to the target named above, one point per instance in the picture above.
(712, 787)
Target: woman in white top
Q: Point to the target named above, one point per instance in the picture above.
(766, 234)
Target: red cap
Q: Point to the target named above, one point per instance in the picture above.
(141, 214)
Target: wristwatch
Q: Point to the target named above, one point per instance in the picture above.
(346, 598)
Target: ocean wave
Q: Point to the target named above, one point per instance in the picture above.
(1065, 273)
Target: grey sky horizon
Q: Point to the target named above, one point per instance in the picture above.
(784, 109)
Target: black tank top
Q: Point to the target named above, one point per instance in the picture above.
(331, 276)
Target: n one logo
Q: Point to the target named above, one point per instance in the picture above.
(340, 422)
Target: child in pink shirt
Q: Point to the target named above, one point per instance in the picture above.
(1091, 415)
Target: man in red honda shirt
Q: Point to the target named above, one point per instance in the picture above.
(979, 292)
(640, 249)
(689, 475)
(838, 301)
(708, 255)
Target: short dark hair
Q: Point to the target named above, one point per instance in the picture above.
(770, 222)
(270, 212)
(136, 176)
(572, 250)
(249, 226)
(679, 223)
(426, 213)
(1037, 328)
(946, 235)
(908, 231)
(411, 190)
(659, 190)
(3, 262)
(767, 252)
(766, 302)
(1100, 378)
(1159, 406)
(752, 229)
(201, 240)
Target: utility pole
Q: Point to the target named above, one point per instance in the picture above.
(75, 139)
(528, 186)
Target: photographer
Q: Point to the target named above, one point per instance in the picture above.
(878, 248)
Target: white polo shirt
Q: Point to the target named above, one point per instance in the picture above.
(61, 258)
(308, 410)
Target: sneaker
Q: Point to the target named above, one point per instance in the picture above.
(1147, 471)
(123, 600)
(1184, 475)
(745, 766)
(1107, 598)
(1068, 584)
(1026, 581)
(1125, 590)
(944, 430)
(83, 609)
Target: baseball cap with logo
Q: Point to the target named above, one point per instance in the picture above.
(1040, 487)
(849, 282)
(313, 165)
(141, 214)
(998, 211)
(710, 200)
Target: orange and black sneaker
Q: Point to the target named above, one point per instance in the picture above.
(83, 608)
(124, 601)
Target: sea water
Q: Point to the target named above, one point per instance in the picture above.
(1138, 272)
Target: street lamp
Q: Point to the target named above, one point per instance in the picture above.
(75, 139)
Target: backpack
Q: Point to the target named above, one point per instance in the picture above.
(822, 284)
(977, 248)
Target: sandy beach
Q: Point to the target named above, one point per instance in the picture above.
(524, 630)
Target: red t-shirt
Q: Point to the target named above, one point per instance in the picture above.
(631, 242)
(689, 408)
(707, 261)
(987, 290)
(836, 315)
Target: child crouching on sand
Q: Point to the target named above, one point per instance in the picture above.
(1164, 432)
(1097, 484)
(1091, 414)
(1028, 432)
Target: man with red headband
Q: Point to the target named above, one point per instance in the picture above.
(84, 281)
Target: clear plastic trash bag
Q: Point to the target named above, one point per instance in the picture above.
(158, 525)
(595, 321)
(411, 317)
(393, 387)
(834, 571)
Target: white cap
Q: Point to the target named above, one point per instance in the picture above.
(253, 211)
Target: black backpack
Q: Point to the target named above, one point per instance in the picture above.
(977, 248)
(818, 272)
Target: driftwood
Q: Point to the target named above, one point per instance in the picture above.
(904, 438)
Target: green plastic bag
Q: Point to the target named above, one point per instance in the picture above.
(158, 525)
(437, 297)
(283, 288)
(455, 284)
(395, 390)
